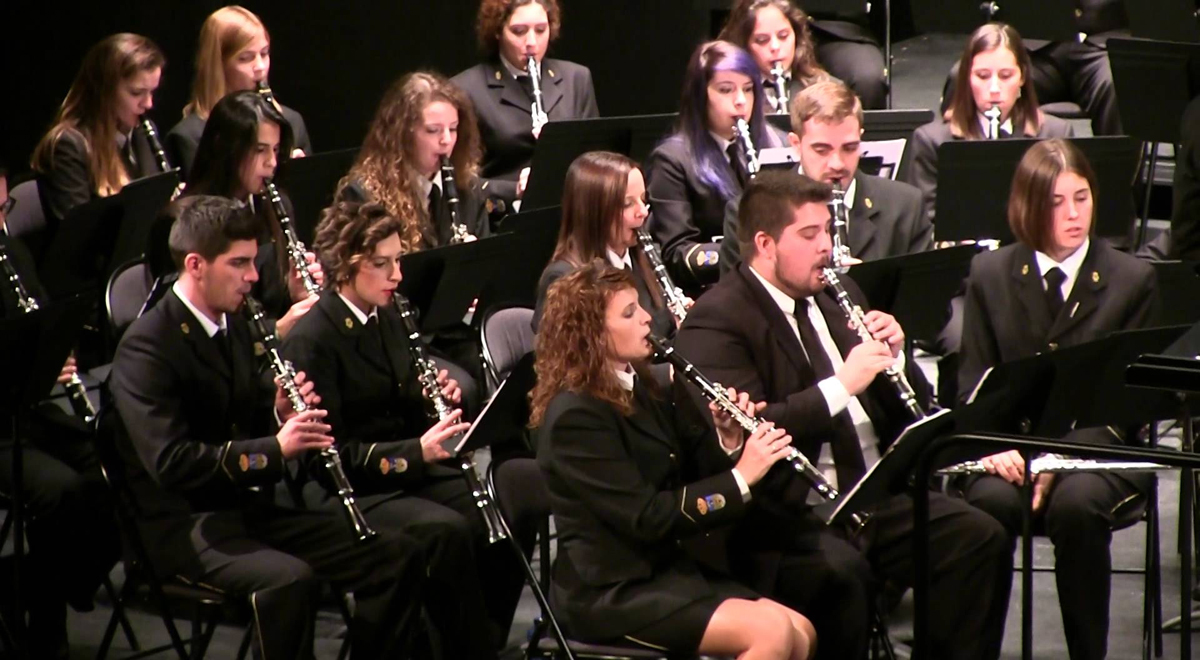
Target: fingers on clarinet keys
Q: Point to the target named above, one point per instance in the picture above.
(864, 362)
(302, 432)
(765, 447)
(431, 442)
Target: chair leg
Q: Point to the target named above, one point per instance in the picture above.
(118, 605)
(346, 605)
(111, 629)
(244, 647)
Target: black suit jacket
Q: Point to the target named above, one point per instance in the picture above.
(1006, 317)
(504, 112)
(687, 215)
(662, 323)
(472, 210)
(1185, 213)
(197, 431)
(370, 391)
(923, 169)
(184, 138)
(69, 182)
(623, 490)
(886, 221)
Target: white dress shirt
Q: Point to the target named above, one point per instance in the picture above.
(619, 261)
(1069, 266)
(358, 313)
(210, 328)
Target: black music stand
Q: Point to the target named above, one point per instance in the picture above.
(1178, 290)
(1166, 20)
(443, 282)
(310, 183)
(102, 234)
(537, 234)
(45, 338)
(505, 415)
(561, 142)
(975, 177)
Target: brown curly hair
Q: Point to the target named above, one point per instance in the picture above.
(493, 14)
(347, 235)
(384, 164)
(572, 347)
(740, 26)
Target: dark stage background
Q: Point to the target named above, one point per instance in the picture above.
(332, 60)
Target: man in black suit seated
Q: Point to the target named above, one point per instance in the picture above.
(772, 329)
(206, 471)
(885, 215)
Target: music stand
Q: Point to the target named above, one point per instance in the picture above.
(1178, 290)
(975, 177)
(561, 142)
(45, 338)
(1166, 20)
(443, 282)
(310, 183)
(537, 233)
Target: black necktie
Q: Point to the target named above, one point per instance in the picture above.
(433, 235)
(526, 84)
(735, 161)
(844, 445)
(1054, 296)
(373, 338)
(224, 345)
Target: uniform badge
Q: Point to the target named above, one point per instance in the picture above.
(349, 323)
(497, 75)
(249, 462)
(396, 465)
(1025, 269)
(184, 327)
(867, 201)
(385, 466)
(715, 502)
(707, 257)
(551, 72)
(1096, 276)
(701, 506)
(259, 349)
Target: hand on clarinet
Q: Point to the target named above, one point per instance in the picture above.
(283, 405)
(729, 431)
(765, 447)
(431, 441)
(302, 432)
(863, 363)
(295, 286)
(885, 328)
(449, 387)
(69, 369)
(522, 181)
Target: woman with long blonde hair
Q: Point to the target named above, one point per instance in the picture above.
(233, 54)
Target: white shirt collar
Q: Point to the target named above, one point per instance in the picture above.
(785, 302)
(210, 328)
(428, 184)
(722, 143)
(985, 124)
(514, 70)
(1069, 266)
(625, 378)
(358, 313)
(619, 261)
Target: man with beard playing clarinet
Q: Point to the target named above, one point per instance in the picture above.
(773, 330)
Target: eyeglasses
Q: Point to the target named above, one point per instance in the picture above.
(8, 205)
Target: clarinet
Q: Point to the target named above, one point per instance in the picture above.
(450, 192)
(855, 315)
(164, 164)
(295, 246)
(427, 376)
(264, 90)
(76, 390)
(841, 226)
(741, 132)
(332, 461)
(781, 93)
(676, 301)
(993, 117)
(716, 394)
(538, 110)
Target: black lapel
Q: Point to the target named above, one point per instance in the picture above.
(781, 330)
(1093, 277)
(644, 419)
(193, 333)
(862, 217)
(339, 314)
(552, 85)
(505, 88)
(1031, 295)
(395, 344)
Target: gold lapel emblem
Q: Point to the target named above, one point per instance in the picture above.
(184, 327)
(1025, 269)
(551, 72)
(259, 349)
(868, 202)
(1096, 276)
(349, 323)
(498, 75)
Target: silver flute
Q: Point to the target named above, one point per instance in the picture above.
(716, 394)
(330, 457)
(1050, 463)
(295, 247)
(856, 317)
(538, 110)
(781, 90)
(76, 390)
(450, 192)
(676, 300)
(840, 229)
(427, 375)
(741, 132)
(164, 164)
(993, 116)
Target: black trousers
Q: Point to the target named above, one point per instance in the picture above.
(1079, 518)
(280, 557)
(857, 63)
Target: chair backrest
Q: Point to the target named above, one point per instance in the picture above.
(126, 294)
(506, 336)
(27, 216)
